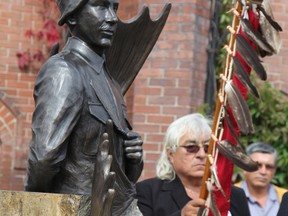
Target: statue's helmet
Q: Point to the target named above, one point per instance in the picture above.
(68, 7)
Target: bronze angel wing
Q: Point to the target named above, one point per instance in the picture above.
(132, 43)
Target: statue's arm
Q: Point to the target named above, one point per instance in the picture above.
(133, 170)
(133, 156)
(58, 102)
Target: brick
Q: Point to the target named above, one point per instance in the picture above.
(183, 73)
(150, 166)
(176, 91)
(160, 119)
(28, 77)
(148, 91)
(10, 91)
(5, 171)
(139, 118)
(162, 63)
(25, 94)
(162, 82)
(4, 111)
(6, 163)
(164, 127)
(27, 109)
(17, 187)
(9, 119)
(6, 148)
(161, 100)
(151, 72)
(149, 127)
(150, 147)
(158, 138)
(146, 109)
(152, 157)
(139, 99)
(176, 110)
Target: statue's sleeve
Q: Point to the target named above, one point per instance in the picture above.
(58, 101)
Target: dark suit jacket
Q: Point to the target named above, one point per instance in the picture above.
(283, 210)
(74, 97)
(164, 198)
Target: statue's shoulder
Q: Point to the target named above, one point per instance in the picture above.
(59, 69)
(62, 62)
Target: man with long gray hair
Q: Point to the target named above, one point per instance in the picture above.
(175, 190)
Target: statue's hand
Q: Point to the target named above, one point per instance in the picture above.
(133, 146)
(103, 181)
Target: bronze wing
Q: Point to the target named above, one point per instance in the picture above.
(132, 43)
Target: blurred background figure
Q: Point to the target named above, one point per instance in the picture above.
(263, 197)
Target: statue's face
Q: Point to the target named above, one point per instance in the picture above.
(96, 22)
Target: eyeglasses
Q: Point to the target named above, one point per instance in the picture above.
(267, 166)
(195, 148)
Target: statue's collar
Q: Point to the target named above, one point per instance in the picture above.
(78, 46)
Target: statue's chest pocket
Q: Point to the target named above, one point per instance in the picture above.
(95, 128)
(98, 111)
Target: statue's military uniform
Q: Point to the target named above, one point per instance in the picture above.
(74, 97)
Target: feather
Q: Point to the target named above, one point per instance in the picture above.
(256, 37)
(212, 202)
(237, 156)
(241, 2)
(243, 76)
(241, 73)
(257, 2)
(271, 35)
(239, 108)
(132, 43)
(250, 56)
(203, 211)
(269, 18)
(230, 126)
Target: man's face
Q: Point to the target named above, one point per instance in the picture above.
(263, 176)
(96, 22)
(190, 165)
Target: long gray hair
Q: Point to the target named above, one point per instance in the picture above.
(193, 123)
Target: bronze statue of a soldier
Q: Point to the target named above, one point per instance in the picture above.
(75, 95)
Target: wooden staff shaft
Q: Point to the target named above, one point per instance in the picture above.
(227, 63)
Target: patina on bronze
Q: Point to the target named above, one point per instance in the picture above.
(74, 97)
(81, 134)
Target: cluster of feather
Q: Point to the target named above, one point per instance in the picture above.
(267, 41)
(240, 50)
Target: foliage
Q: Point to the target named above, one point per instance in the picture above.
(269, 118)
(225, 20)
(49, 35)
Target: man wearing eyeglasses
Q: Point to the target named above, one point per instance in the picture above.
(262, 196)
(175, 190)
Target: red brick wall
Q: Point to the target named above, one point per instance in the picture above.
(172, 81)
(170, 84)
(16, 102)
